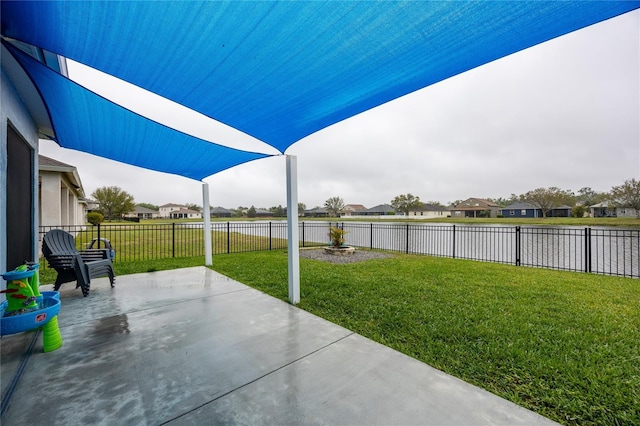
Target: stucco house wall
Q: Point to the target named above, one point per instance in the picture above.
(429, 211)
(62, 198)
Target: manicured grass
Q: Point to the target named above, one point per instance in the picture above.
(563, 344)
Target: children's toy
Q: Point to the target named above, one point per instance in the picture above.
(20, 295)
(26, 308)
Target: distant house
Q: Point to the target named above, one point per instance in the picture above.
(185, 213)
(316, 212)
(178, 211)
(61, 196)
(608, 209)
(560, 211)
(429, 211)
(379, 210)
(166, 209)
(263, 213)
(475, 207)
(221, 212)
(521, 209)
(352, 209)
(92, 205)
(141, 212)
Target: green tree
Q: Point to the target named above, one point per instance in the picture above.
(251, 212)
(239, 212)
(588, 197)
(113, 201)
(548, 198)
(277, 211)
(149, 206)
(406, 202)
(194, 207)
(504, 202)
(334, 206)
(301, 208)
(627, 195)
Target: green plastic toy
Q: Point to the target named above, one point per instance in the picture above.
(51, 337)
(20, 296)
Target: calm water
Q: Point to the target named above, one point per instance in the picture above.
(610, 251)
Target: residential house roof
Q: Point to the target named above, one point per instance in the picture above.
(317, 210)
(142, 209)
(71, 173)
(381, 208)
(476, 204)
(520, 205)
(354, 208)
(220, 210)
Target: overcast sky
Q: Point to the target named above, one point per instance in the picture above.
(565, 113)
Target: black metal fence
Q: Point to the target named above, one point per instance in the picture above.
(593, 250)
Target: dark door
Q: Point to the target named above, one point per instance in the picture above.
(20, 207)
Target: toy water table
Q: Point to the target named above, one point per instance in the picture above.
(26, 308)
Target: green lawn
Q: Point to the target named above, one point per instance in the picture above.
(563, 344)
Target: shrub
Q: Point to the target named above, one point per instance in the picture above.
(95, 218)
(336, 236)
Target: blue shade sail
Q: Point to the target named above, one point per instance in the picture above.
(87, 122)
(280, 71)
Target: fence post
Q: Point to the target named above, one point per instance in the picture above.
(406, 248)
(518, 246)
(98, 236)
(173, 239)
(228, 238)
(269, 235)
(302, 233)
(454, 242)
(587, 250)
(371, 236)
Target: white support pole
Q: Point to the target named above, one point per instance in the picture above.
(206, 213)
(292, 229)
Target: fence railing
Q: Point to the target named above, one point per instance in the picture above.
(592, 250)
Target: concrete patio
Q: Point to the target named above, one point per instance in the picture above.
(191, 346)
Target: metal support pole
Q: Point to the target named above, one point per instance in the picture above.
(206, 212)
(292, 229)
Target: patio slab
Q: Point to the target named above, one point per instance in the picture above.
(191, 346)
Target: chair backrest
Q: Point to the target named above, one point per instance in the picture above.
(58, 241)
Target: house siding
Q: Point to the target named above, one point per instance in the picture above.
(15, 112)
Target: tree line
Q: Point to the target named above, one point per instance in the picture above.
(626, 195)
(114, 203)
